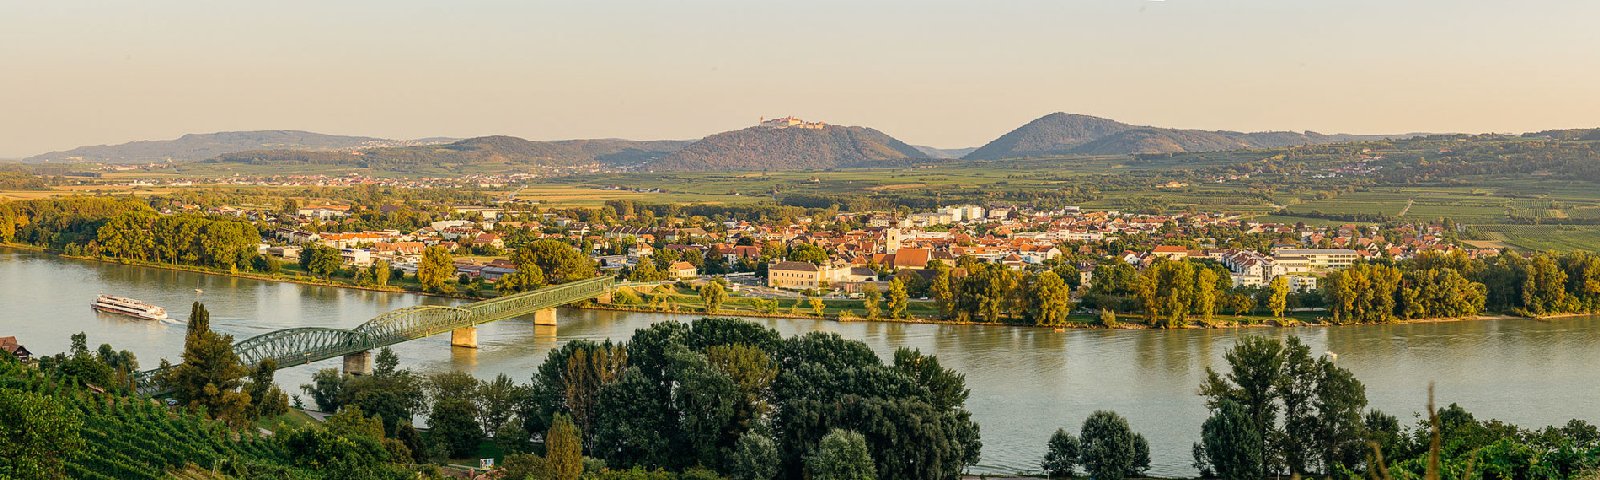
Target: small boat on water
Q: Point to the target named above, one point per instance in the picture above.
(129, 307)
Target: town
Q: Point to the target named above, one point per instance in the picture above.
(859, 248)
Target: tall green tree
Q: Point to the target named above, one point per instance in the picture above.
(1050, 300)
(436, 268)
(899, 299)
(1278, 302)
(563, 449)
(712, 295)
(1544, 288)
(211, 375)
(1230, 444)
(871, 299)
(1205, 294)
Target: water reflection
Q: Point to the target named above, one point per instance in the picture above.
(1025, 382)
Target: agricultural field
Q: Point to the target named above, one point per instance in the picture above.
(1564, 238)
(587, 196)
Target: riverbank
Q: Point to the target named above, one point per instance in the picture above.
(840, 310)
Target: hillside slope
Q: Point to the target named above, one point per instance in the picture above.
(201, 146)
(759, 148)
(479, 151)
(1065, 134)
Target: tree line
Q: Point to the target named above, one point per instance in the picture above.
(1277, 410)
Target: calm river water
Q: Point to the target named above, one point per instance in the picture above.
(1025, 382)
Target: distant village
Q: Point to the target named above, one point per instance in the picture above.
(880, 243)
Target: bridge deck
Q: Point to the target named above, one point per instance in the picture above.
(300, 346)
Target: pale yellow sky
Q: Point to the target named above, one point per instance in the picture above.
(930, 72)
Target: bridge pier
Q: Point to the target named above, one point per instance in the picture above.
(464, 337)
(545, 316)
(604, 298)
(359, 363)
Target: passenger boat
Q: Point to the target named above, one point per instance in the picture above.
(129, 307)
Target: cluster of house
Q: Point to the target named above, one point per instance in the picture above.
(10, 346)
(1007, 235)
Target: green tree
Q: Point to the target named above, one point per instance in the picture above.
(454, 422)
(755, 457)
(380, 272)
(646, 271)
(1050, 299)
(1363, 293)
(1278, 302)
(1108, 318)
(498, 401)
(1230, 444)
(320, 260)
(38, 433)
(842, 455)
(805, 252)
(436, 268)
(942, 289)
(899, 299)
(1061, 454)
(871, 299)
(210, 376)
(1205, 294)
(269, 400)
(712, 294)
(1108, 447)
(563, 449)
(1255, 371)
(817, 306)
(1544, 289)
(1167, 293)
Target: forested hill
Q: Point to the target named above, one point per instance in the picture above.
(759, 148)
(201, 146)
(494, 150)
(1063, 134)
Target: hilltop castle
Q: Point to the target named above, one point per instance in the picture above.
(789, 122)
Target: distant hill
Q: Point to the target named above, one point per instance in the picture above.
(762, 148)
(944, 153)
(201, 146)
(1063, 133)
(1581, 134)
(480, 151)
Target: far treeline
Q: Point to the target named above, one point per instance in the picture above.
(1174, 293)
(1167, 294)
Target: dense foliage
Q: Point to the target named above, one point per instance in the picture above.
(1278, 411)
(52, 425)
(678, 396)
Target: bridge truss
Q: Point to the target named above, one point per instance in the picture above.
(300, 346)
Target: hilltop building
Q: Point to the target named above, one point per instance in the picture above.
(789, 122)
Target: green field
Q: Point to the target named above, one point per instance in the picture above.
(1546, 237)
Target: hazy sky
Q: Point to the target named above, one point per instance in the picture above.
(932, 72)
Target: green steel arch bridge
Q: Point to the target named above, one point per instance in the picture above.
(299, 346)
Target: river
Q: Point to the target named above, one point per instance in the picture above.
(1025, 382)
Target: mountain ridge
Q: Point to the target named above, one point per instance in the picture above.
(201, 146)
(1063, 133)
(504, 149)
(765, 148)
